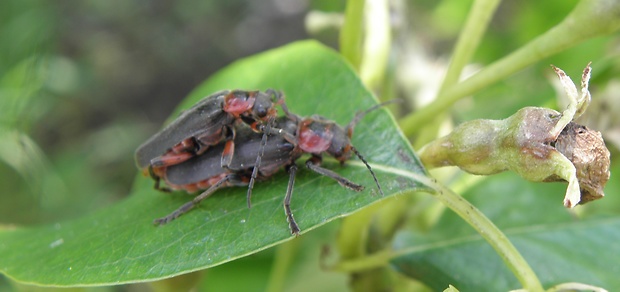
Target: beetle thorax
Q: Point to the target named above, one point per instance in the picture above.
(314, 136)
(239, 102)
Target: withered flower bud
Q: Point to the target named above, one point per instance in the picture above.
(539, 144)
(586, 149)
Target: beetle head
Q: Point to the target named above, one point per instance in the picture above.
(340, 146)
(264, 105)
(317, 135)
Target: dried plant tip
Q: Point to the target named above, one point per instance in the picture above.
(577, 103)
(586, 150)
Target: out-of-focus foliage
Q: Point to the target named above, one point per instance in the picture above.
(83, 83)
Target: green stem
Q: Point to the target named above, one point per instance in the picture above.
(469, 39)
(572, 286)
(377, 46)
(185, 282)
(375, 260)
(477, 21)
(352, 33)
(493, 235)
(377, 43)
(590, 18)
(353, 233)
(285, 253)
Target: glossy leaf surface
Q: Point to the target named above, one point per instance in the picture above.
(120, 244)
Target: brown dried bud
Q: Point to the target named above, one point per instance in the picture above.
(586, 149)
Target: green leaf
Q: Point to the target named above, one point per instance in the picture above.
(120, 244)
(559, 247)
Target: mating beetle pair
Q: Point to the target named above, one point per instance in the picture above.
(206, 124)
(259, 152)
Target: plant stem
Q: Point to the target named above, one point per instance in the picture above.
(351, 34)
(477, 22)
(590, 18)
(493, 235)
(353, 233)
(185, 282)
(282, 262)
(377, 41)
(469, 39)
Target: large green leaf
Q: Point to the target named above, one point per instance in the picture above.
(119, 244)
(559, 246)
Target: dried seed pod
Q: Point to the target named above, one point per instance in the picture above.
(539, 144)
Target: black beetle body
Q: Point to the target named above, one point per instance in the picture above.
(289, 138)
(277, 152)
(206, 124)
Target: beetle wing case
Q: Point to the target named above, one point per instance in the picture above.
(197, 168)
(277, 152)
(204, 117)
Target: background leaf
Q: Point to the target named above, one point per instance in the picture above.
(559, 246)
(119, 244)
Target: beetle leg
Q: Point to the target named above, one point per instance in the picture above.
(288, 113)
(292, 170)
(251, 184)
(229, 147)
(227, 154)
(314, 164)
(280, 100)
(266, 129)
(157, 178)
(279, 132)
(228, 180)
(159, 187)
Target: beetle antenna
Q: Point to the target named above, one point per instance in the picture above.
(370, 169)
(359, 115)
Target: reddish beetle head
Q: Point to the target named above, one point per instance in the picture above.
(315, 135)
(238, 102)
(318, 135)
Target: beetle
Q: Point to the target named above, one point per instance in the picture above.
(207, 123)
(290, 137)
(199, 171)
(204, 171)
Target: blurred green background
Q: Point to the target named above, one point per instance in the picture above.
(83, 83)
